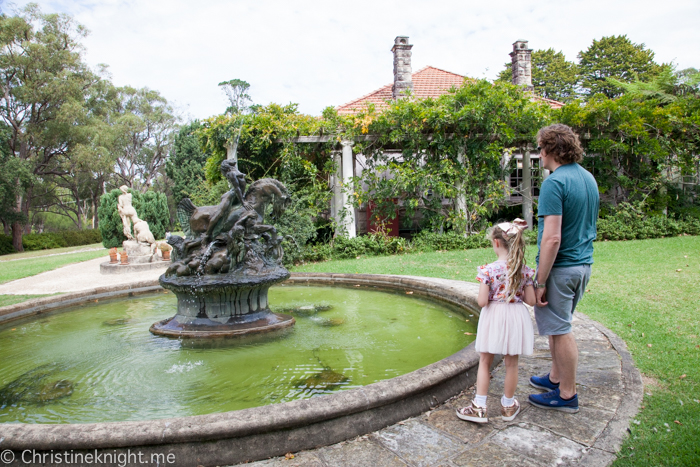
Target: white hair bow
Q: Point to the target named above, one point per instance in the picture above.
(512, 228)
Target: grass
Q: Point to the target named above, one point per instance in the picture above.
(646, 291)
(53, 251)
(6, 300)
(35, 265)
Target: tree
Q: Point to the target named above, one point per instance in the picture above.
(553, 77)
(668, 86)
(144, 125)
(237, 92)
(41, 77)
(15, 177)
(75, 193)
(615, 57)
(185, 165)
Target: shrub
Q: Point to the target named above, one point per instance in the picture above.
(45, 241)
(308, 253)
(371, 245)
(150, 206)
(628, 222)
(6, 245)
(48, 240)
(431, 241)
(296, 223)
(531, 236)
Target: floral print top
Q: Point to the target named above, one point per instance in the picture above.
(495, 275)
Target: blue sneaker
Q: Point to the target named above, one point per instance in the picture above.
(553, 401)
(543, 382)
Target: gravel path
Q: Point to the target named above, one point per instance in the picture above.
(74, 278)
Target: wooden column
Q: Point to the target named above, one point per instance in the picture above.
(337, 201)
(348, 173)
(527, 187)
(461, 199)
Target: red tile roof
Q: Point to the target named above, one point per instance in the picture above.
(551, 102)
(427, 82)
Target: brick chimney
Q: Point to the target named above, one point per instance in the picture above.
(402, 67)
(521, 63)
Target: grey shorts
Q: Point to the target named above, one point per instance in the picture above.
(565, 287)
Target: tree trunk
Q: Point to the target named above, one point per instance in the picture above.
(17, 236)
(17, 229)
(95, 204)
(78, 214)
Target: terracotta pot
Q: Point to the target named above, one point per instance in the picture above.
(166, 255)
(124, 257)
(113, 256)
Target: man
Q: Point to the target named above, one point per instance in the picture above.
(567, 214)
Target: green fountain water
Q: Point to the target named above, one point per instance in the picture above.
(100, 363)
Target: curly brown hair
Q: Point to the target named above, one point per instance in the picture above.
(560, 142)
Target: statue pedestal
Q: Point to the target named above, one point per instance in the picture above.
(137, 250)
(221, 305)
(140, 259)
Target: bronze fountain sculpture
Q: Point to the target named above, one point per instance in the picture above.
(222, 269)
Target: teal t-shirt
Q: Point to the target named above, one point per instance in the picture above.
(571, 192)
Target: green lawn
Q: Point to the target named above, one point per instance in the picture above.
(34, 265)
(53, 251)
(6, 300)
(646, 291)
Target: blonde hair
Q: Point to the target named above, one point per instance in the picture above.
(515, 243)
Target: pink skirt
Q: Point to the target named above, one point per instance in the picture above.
(505, 329)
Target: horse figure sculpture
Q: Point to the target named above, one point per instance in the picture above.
(227, 237)
(210, 221)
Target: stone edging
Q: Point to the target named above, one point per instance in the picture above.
(610, 440)
(261, 432)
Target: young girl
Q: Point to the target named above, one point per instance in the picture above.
(504, 323)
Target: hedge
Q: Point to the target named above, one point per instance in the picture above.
(627, 223)
(46, 241)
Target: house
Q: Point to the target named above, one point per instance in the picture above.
(427, 82)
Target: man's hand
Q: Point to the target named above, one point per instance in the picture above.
(248, 206)
(541, 295)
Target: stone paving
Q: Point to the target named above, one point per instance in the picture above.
(610, 392)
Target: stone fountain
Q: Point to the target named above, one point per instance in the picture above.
(222, 269)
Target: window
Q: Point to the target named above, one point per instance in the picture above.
(515, 179)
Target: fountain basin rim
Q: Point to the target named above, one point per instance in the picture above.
(217, 282)
(284, 322)
(377, 405)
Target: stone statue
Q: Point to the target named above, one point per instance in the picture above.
(142, 241)
(126, 211)
(143, 232)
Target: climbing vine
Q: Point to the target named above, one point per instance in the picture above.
(444, 160)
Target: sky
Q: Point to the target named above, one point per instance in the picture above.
(326, 53)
